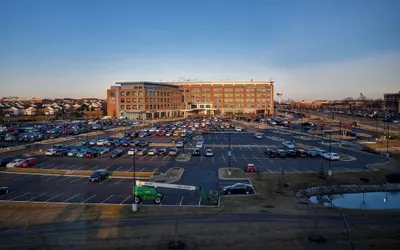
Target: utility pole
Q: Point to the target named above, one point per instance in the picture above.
(229, 154)
(330, 152)
(387, 140)
(377, 121)
(134, 205)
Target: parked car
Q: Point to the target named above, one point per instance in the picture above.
(143, 144)
(61, 152)
(4, 190)
(14, 163)
(103, 151)
(28, 162)
(132, 151)
(5, 161)
(72, 152)
(301, 153)
(258, 136)
(196, 152)
(331, 156)
(90, 154)
(179, 144)
(271, 152)
(173, 151)
(50, 151)
(152, 152)
(116, 153)
(250, 168)
(291, 153)
(288, 144)
(281, 153)
(199, 144)
(98, 175)
(311, 153)
(209, 152)
(162, 151)
(238, 188)
(141, 151)
(320, 152)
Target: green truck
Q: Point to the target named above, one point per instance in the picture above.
(145, 191)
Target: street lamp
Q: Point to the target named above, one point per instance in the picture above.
(330, 152)
(134, 205)
(229, 154)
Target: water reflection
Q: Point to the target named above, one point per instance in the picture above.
(373, 200)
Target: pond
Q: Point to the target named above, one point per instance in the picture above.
(370, 201)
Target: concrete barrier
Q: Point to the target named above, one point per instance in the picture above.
(9, 149)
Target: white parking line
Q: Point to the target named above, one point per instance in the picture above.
(269, 159)
(163, 200)
(117, 168)
(109, 197)
(293, 161)
(249, 148)
(141, 158)
(50, 178)
(225, 138)
(71, 198)
(245, 158)
(297, 171)
(223, 157)
(59, 166)
(64, 179)
(153, 158)
(37, 196)
(142, 169)
(200, 201)
(94, 167)
(259, 148)
(105, 181)
(180, 203)
(201, 159)
(212, 158)
(241, 148)
(256, 158)
(347, 169)
(88, 199)
(125, 199)
(81, 167)
(268, 170)
(77, 179)
(53, 197)
(48, 166)
(19, 196)
(119, 181)
(72, 166)
(307, 169)
(129, 169)
(165, 157)
(234, 157)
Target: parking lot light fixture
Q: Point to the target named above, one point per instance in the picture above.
(330, 152)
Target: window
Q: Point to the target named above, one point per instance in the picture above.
(122, 93)
(201, 106)
(128, 106)
(228, 90)
(140, 99)
(134, 99)
(155, 99)
(147, 106)
(140, 93)
(249, 90)
(112, 94)
(134, 93)
(217, 90)
(128, 93)
(151, 106)
(140, 107)
(128, 99)
(134, 106)
(239, 90)
(228, 95)
(208, 106)
(239, 95)
(122, 107)
(122, 100)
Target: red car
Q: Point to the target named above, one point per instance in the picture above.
(29, 162)
(205, 131)
(154, 134)
(250, 168)
(161, 133)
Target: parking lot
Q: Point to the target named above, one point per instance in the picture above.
(200, 170)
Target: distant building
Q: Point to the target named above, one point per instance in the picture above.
(392, 102)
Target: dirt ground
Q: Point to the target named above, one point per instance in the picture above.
(254, 235)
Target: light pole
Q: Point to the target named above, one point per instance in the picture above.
(134, 205)
(229, 154)
(387, 139)
(330, 152)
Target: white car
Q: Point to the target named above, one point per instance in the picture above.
(258, 136)
(288, 144)
(331, 156)
(199, 145)
(396, 121)
(179, 144)
(152, 152)
(14, 163)
(209, 152)
(50, 151)
(132, 151)
(101, 142)
(237, 129)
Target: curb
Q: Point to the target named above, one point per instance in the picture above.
(79, 176)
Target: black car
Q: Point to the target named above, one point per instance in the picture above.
(311, 153)
(98, 175)
(143, 144)
(290, 153)
(133, 143)
(238, 188)
(281, 153)
(196, 152)
(125, 143)
(116, 153)
(5, 161)
(4, 190)
(162, 151)
(61, 152)
(271, 152)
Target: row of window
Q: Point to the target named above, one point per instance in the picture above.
(148, 106)
(219, 100)
(220, 90)
(128, 100)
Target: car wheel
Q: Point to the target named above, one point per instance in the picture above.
(157, 200)
(7, 191)
(229, 192)
(137, 199)
(247, 192)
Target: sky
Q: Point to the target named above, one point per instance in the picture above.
(313, 49)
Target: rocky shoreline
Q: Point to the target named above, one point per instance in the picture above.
(346, 189)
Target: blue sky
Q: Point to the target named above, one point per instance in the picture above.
(313, 49)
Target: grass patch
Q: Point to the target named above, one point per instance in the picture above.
(383, 144)
(223, 173)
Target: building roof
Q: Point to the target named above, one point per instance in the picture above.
(146, 82)
(221, 82)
